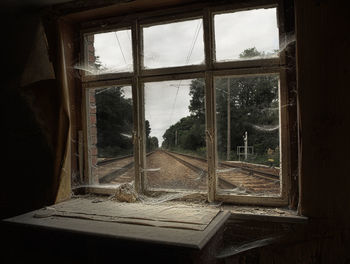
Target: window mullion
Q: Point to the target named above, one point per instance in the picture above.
(210, 104)
(138, 109)
(210, 135)
(208, 38)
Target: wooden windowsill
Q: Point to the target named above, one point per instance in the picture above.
(256, 213)
(142, 228)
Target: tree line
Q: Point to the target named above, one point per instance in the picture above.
(114, 114)
(254, 108)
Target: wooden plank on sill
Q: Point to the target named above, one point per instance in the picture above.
(177, 237)
(175, 216)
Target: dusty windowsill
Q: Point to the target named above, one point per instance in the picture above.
(257, 213)
(260, 213)
(179, 225)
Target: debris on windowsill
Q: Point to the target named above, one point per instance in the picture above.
(126, 193)
(45, 212)
(264, 213)
(260, 210)
(175, 215)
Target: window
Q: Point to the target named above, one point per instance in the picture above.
(178, 129)
(162, 48)
(191, 102)
(110, 128)
(256, 29)
(109, 52)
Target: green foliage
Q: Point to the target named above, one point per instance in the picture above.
(188, 133)
(250, 53)
(152, 143)
(200, 152)
(253, 108)
(147, 128)
(114, 122)
(253, 53)
(265, 159)
(197, 102)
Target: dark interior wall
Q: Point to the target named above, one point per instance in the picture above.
(27, 157)
(323, 54)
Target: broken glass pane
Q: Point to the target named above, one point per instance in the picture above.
(110, 126)
(245, 35)
(248, 134)
(173, 44)
(175, 135)
(109, 52)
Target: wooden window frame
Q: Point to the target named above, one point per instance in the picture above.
(208, 71)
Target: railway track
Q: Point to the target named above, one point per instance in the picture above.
(120, 167)
(230, 176)
(244, 179)
(111, 160)
(201, 171)
(250, 170)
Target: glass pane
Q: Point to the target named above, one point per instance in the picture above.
(175, 133)
(110, 123)
(248, 142)
(173, 44)
(109, 52)
(246, 35)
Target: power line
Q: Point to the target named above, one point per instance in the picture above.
(172, 109)
(120, 47)
(193, 42)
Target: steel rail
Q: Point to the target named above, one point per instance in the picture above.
(252, 172)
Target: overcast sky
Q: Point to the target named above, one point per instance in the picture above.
(179, 44)
(165, 104)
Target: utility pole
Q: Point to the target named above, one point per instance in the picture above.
(228, 120)
(175, 137)
(245, 137)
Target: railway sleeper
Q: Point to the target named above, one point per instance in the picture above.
(196, 169)
(114, 174)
